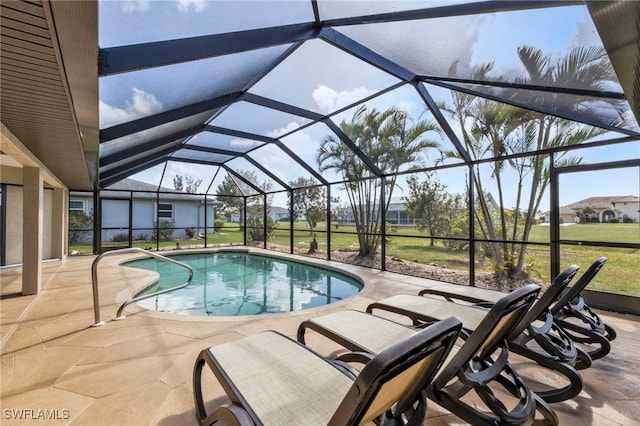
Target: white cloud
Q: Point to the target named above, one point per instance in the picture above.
(281, 131)
(131, 6)
(243, 143)
(142, 104)
(197, 5)
(330, 100)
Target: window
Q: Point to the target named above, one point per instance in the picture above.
(165, 211)
(76, 206)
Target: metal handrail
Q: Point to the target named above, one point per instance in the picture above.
(94, 279)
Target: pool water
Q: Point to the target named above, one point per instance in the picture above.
(231, 284)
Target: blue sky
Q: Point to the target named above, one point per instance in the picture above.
(321, 78)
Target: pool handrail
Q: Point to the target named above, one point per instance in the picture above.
(119, 316)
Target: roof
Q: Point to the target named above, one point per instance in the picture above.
(601, 202)
(124, 188)
(278, 210)
(627, 199)
(219, 98)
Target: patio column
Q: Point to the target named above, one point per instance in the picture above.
(32, 224)
(59, 232)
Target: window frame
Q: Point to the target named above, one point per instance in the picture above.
(161, 212)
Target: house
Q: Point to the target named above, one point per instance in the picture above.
(396, 213)
(628, 207)
(278, 214)
(131, 206)
(603, 209)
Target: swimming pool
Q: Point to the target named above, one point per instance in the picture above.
(232, 284)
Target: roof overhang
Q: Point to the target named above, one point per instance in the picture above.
(49, 81)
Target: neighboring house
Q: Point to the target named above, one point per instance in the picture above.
(396, 213)
(628, 207)
(567, 215)
(278, 213)
(147, 207)
(621, 207)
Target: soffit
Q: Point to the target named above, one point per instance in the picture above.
(48, 77)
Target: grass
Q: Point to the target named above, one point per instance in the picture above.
(620, 274)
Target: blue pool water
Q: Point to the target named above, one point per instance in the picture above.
(230, 284)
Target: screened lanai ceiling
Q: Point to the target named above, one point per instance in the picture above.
(214, 88)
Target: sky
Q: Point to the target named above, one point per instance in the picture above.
(321, 78)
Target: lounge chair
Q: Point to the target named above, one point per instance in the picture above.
(579, 321)
(471, 368)
(536, 337)
(570, 313)
(271, 379)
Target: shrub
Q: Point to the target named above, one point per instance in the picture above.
(191, 232)
(459, 228)
(390, 229)
(122, 237)
(140, 237)
(256, 229)
(627, 219)
(218, 224)
(163, 230)
(80, 227)
(614, 220)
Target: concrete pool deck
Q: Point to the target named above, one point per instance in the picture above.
(138, 371)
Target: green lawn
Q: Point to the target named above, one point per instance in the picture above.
(621, 274)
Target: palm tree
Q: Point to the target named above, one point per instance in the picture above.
(390, 140)
(587, 68)
(493, 130)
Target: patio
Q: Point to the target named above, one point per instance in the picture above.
(138, 371)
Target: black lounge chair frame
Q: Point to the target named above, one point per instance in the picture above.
(472, 367)
(412, 362)
(579, 321)
(538, 336)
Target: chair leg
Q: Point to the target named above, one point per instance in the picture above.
(411, 417)
(611, 333)
(201, 412)
(588, 337)
(555, 395)
(229, 414)
(545, 409)
(583, 360)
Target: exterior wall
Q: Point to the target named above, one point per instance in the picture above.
(47, 224)
(14, 220)
(13, 234)
(280, 216)
(629, 209)
(115, 214)
(144, 212)
(564, 218)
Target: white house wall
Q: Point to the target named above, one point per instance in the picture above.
(630, 209)
(13, 253)
(191, 214)
(144, 212)
(115, 214)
